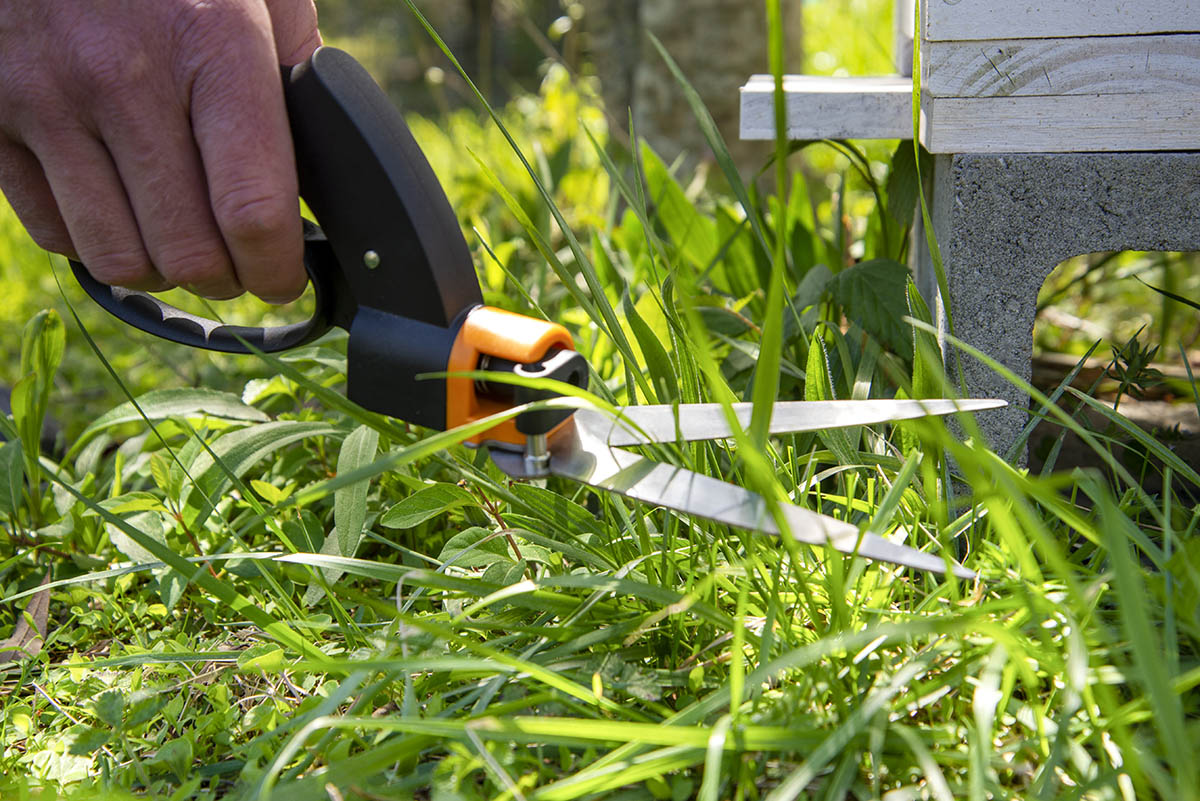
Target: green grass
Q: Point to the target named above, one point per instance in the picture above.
(271, 594)
(1104, 291)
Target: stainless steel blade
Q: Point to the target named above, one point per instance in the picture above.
(578, 455)
(641, 425)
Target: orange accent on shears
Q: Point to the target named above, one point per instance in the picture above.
(500, 334)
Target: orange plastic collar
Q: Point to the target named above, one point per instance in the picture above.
(501, 334)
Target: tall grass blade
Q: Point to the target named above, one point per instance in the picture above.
(794, 785)
(1151, 550)
(1023, 439)
(1146, 648)
(716, 142)
(766, 370)
(931, 240)
(1168, 456)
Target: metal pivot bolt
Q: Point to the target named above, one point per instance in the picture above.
(537, 455)
(371, 259)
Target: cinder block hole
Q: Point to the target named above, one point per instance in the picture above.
(1145, 342)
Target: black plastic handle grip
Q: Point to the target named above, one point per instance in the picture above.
(147, 313)
(362, 173)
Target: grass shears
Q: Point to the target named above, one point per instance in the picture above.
(389, 264)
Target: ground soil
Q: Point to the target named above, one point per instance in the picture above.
(1172, 419)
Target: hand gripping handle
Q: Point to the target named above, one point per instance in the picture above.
(391, 242)
(147, 313)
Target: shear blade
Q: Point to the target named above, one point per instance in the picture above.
(641, 425)
(578, 455)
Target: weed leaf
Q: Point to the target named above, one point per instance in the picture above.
(110, 708)
(238, 451)
(475, 547)
(305, 532)
(162, 404)
(43, 343)
(149, 524)
(12, 477)
(425, 504)
(88, 740)
(903, 184)
(692, 233)
(658, 362)
(350, 503)
(176, 755)
(819, 386)
(873, 294)
(349, 506)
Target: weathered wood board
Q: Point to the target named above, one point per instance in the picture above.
(1035, 76)
(1090, 65)
(881, 108)
(1061, 124)
(830, 108)
(959, 20)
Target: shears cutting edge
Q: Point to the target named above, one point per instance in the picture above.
(389, 264)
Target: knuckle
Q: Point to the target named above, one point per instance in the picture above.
(301, 51)
(279, 286)
(100, 71)
(201, 22)
(250, 215)
(190, 265)
(200, 265)
(214, 41)
(30, 99)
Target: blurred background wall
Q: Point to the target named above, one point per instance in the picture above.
(717, 43)
(504, 44)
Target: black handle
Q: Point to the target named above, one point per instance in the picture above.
(391, 241)
(365, 178)
(147, 313)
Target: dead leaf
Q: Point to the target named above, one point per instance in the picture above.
(26, 640)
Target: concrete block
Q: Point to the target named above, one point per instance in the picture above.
(1004, 221)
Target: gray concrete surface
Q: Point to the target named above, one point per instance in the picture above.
(1005, 221)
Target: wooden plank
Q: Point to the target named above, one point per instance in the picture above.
(949, 20)
(1091, 65)
(1061, 124)
(830, 108)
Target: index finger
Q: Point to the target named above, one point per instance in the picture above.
(240, 125)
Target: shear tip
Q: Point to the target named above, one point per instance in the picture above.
(961, 572)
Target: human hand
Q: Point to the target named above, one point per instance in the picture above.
(149, 138)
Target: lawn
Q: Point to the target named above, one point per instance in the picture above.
(250, 588)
